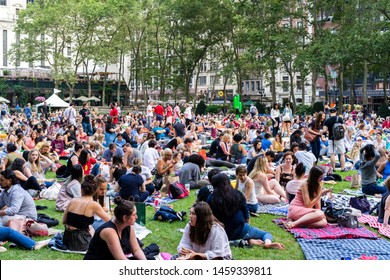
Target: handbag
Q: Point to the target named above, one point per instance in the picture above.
(309, 136)
(346, 219)
(361, 203)
(356, 181)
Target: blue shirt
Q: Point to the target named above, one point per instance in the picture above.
(159, 135)
(265, 144)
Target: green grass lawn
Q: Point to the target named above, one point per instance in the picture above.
(167, 236)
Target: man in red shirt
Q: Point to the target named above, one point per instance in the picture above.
(114, 113)
(159, 111)
(386, 123)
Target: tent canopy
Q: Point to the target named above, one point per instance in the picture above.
(2, 99)
(55, 101)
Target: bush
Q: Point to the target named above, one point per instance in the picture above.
(260, 107)
(201, 108)
(383, 110)
(213, 109)
(303, 110)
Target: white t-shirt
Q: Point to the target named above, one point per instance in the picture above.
(307, 158)
(150, 158)
(187, 113)
(149, 111)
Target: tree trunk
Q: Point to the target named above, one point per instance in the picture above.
(352, 92)
(118, 92)
(292, 95)
(104, 85)
(273, 85)
(385, 81)
(341, 95)
(365, 71)
(303, 79)
(314, 86)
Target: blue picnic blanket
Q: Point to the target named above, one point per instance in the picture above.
(280, 209)
(336, 249)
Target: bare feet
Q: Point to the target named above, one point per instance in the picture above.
(288, 224)
(274, 245)
(41, 244)
(256, 242)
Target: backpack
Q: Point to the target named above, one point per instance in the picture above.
(167, 214)
(338, 131)
(177, 190)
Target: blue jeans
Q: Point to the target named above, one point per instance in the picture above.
(255, 233)
(253, 207)
(8, 234)
(373, 188)
(87, 128)
(95, 170)
(316, 148)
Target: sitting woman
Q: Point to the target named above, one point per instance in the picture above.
(255, 150)
(116, 238)
(68, 140)
(247, 186)
(278, 143)
(86, 161)
(20, 142)
(111, 130)
(36, 166)
(305, 209)
(238, 153)
(204, 236)
(79, 217)
(229, 207)
(81, 135)
(285, 170)
(223, 148)
(384, 168)
(27, 183)
(384, 207)
(267, 191)
(12, 154)
(58, 145)
(71, 188)
(190, 173)
(101, 198)
(132, 186)
(118, 169)
(368, 158)
(293, 186)
(32, 140)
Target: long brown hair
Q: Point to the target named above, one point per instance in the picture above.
(204, 222)
(312, 181)
(318, 121)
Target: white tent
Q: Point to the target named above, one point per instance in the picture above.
(54, 101)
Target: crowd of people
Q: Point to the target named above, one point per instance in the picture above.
(275, 158)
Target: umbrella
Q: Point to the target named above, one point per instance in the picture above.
(2, 99)
(40, 99)
(93, 98)
(67, 99)
(82, 98)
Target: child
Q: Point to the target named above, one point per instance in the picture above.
(247, 186)
(119, 141)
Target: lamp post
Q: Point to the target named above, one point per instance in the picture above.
(261, 94)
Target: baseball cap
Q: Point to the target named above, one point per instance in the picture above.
(333, 110)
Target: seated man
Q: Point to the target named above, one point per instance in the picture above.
(17, 201)
(214, 145)
(159, 131)
(111, 151)
(131, 186)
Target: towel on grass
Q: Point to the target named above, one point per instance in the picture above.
(372, 221)
(330, 232)
(274, 209)
(335, 249)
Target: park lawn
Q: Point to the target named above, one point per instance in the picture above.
(167, 236)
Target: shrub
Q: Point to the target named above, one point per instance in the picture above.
(303, 110)
(384, 110)
(213, 109)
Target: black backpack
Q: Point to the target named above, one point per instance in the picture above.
(338, 131)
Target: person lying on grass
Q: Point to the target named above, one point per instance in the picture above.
(11, 235)
(305, 209)
(229, 207)
(204, 236)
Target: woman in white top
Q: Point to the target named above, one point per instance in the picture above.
(275, 117)
(348, 138)
(247, 186)
(204, 237)
(36, 165)
(287, 119)
(266, 191)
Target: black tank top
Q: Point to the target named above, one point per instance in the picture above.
(78, 221)
(69, 163)
(98, 249)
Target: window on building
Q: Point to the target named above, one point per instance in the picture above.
(257, 85)
(212, 79)
(3, 2)
(285, 83)
(299, 83)
(202, 80)
(247, 86)
(252, 86)
(203, 67)
(5, 48)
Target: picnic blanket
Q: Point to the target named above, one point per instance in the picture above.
(342, 200)
(336, 249)
(280, 209)
(329, 232)
(372, 221)
(162, 200)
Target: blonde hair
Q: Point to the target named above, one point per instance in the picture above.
(260, 166)
(35, 166)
